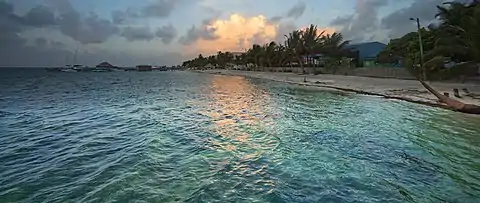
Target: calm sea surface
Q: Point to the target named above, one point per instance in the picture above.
(187, 137)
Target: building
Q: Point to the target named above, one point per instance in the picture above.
(367, 52)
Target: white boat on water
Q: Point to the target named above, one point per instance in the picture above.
(71, 70)
(74, 67)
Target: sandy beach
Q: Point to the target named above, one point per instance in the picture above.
(408, 90)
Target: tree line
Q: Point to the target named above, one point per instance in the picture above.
(454, 41)
(300, 48)
(452, 47)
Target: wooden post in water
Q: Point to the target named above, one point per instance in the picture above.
(456, 93)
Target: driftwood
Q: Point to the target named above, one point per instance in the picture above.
(454, 104)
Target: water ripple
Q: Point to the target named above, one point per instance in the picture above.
(186, 137)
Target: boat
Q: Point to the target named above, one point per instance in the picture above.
(74, 67)
(70, 70)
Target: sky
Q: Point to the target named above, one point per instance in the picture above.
(167, 32)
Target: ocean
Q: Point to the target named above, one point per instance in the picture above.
(191, 137)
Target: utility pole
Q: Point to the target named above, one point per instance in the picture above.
(421, 48)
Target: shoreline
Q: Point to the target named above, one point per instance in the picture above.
(388, 88)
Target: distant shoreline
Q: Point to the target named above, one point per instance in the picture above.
(405, 90)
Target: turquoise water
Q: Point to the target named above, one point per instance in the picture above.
(187, 137)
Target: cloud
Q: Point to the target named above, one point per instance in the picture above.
(41, 42)
(39, 16)
(154, 9)
(14, 50)
(237, 33)
(232, 34)
(121, 17)
(137, 33)
(10, 27)
(366, 25)
(19, 48)
(283, 29)
(206, 31)
(143, 33)
(342, 20)
(5, 8)
(88, 29)
(297, 10)
(398, 22)
(166, 33)
(363, 23)
(159, 8)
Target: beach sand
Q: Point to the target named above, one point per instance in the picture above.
(407, 90)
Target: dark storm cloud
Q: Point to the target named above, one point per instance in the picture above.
(275, 19)
(5, 8)
(85, 29)
(41, 42)
(201, 32)
(364, 21)
(398, 23)
(40, 16)
(159, 8)
(57, 44)
(17, 51)
(365, 24)
(297, 10)
(166, 33)
(142, 33)
(14, 50)
(120, 17)
(342, 20)
(154, 9)
(10, 27)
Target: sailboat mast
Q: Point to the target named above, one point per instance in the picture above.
(75, 57)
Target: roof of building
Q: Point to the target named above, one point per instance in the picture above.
(105, 64)
(368, 49)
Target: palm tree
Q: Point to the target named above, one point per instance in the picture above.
(312, 41)
(270, 50)
(334, 45)
(459, 39)
(459, 36)
(295, 46)
(256, 53)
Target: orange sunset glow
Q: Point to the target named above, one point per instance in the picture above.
(238, 33)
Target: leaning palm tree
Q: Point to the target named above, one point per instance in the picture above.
(459, 39)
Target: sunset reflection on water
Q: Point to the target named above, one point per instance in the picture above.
(237, 108)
